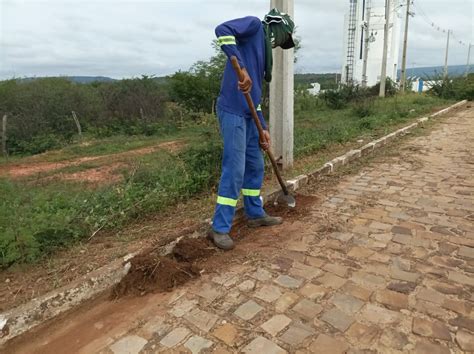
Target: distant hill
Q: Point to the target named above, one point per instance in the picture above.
(77, 79)
(89, 79)
(435, 71)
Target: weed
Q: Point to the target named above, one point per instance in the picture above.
(363, 107)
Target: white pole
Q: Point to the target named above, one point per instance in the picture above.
(446, 57)
(281, 96)
(404, 56)
(468, 65)
(366, 42)
(383, 76)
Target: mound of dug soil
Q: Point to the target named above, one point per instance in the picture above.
(191, 250)
(150, 272)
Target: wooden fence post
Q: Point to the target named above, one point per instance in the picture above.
(78, 125)
(4, 136)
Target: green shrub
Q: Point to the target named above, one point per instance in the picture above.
(334, 99)
(36, 144)
(202, 166)
(366, 123)
(391, 88)
(198, 88)
(40, 111)
(459, 88)
(363, 107)
(340, 98)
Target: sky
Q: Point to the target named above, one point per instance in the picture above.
(154, 37)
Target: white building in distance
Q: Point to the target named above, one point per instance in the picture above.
(354, 41)
(315, 89)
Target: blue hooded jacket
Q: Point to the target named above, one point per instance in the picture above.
(243, 38)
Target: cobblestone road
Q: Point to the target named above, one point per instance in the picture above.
(396, 276)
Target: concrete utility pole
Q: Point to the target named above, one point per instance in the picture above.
(468, 65)
(281, 96)
(366, 42)
(446, 57)
(403, 79)
(383, 75)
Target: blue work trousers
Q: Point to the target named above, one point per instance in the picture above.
(242, 170)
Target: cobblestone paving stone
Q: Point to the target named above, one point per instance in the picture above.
(395, 273)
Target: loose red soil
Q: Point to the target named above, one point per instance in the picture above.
(191, 250)
(149, 272)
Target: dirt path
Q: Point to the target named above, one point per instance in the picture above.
(17, 170)
(384, 262)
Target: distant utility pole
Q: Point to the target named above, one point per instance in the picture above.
(468, 65)
(383, 76)
(366, 44)
(446, 57)
(282, 96)
(403, 79)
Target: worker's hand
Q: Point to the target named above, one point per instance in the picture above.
(265, 142)
(246, 85)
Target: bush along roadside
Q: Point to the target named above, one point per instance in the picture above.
(459, 88)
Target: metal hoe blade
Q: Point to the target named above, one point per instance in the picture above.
(286, 199)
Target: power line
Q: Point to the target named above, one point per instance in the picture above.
(435, 26)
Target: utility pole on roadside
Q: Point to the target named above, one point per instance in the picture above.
(366, 43)
(446, 57)
(383, 76)
(282, 96)
(403, 79)
(468, 65)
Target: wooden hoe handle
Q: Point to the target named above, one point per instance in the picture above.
(240, 75)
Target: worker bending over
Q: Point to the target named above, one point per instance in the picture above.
(250, 41)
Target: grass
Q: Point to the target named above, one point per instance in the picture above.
(317, 129)
(90, 146)
(37, 218)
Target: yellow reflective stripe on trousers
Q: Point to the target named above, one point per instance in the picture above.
(226, 40)
(226, 201)
(251, 192)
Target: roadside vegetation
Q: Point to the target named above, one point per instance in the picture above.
(42, 212)
(459, 88)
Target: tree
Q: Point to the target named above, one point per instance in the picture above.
(198, 88)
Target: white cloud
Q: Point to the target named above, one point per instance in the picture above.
(130, 38)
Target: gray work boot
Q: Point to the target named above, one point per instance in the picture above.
(222, 241)
(265, 220)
